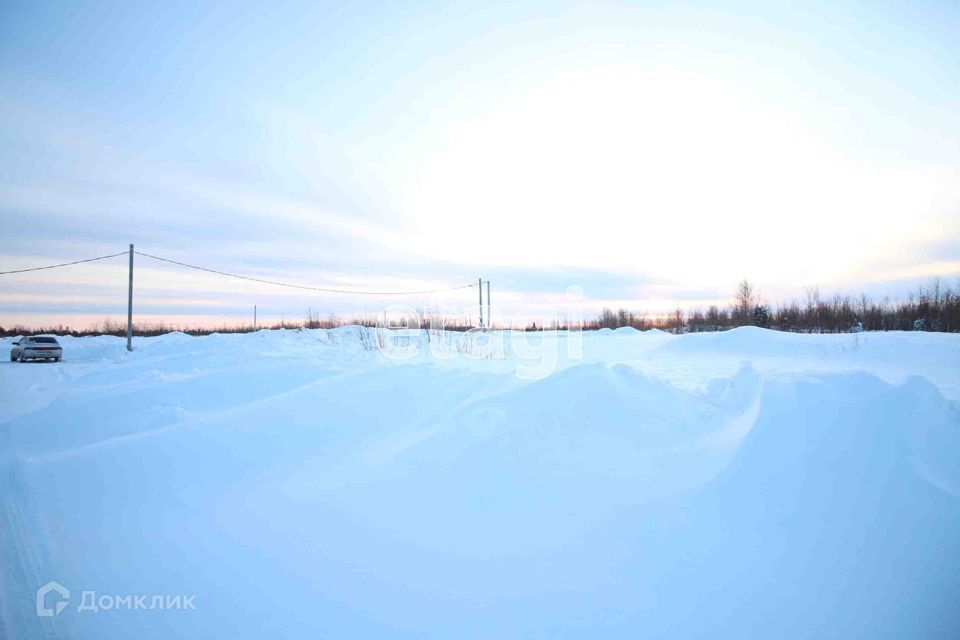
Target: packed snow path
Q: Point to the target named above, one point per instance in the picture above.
(301, 484)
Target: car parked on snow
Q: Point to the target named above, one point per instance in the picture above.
(36, 348)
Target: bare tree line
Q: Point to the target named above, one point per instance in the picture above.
(420, 317)
(934, 307)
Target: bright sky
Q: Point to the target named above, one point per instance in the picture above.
(651, 154)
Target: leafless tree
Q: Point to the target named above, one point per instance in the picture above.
(745, 299)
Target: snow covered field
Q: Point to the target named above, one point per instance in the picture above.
(300, 484)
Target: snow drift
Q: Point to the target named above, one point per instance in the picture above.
(298, 483)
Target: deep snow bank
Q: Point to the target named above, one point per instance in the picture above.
(298, 483)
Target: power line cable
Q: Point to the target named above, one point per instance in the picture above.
(300, 286)
(64, 264)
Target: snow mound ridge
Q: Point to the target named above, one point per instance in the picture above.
(607, 431)
(743, 341)
(838, 478)
(831, 434)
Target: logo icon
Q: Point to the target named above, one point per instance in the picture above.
(42, 609)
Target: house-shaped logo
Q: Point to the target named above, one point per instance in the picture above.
(47, 612)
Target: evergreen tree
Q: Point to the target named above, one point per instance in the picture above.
(761, 317)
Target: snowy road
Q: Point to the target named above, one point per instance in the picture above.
(301, 484)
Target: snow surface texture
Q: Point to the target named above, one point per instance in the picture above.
(301, 484)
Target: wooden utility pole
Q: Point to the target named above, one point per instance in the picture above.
(489, 313)
(130, 305)
(480, 287)
(254, 317)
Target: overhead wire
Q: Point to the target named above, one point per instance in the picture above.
(300, 286)
(64, 264)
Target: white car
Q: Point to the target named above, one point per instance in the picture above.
(36, 348)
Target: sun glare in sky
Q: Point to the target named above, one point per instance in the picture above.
(653, 156)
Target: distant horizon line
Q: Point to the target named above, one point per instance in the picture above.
(936, 291)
